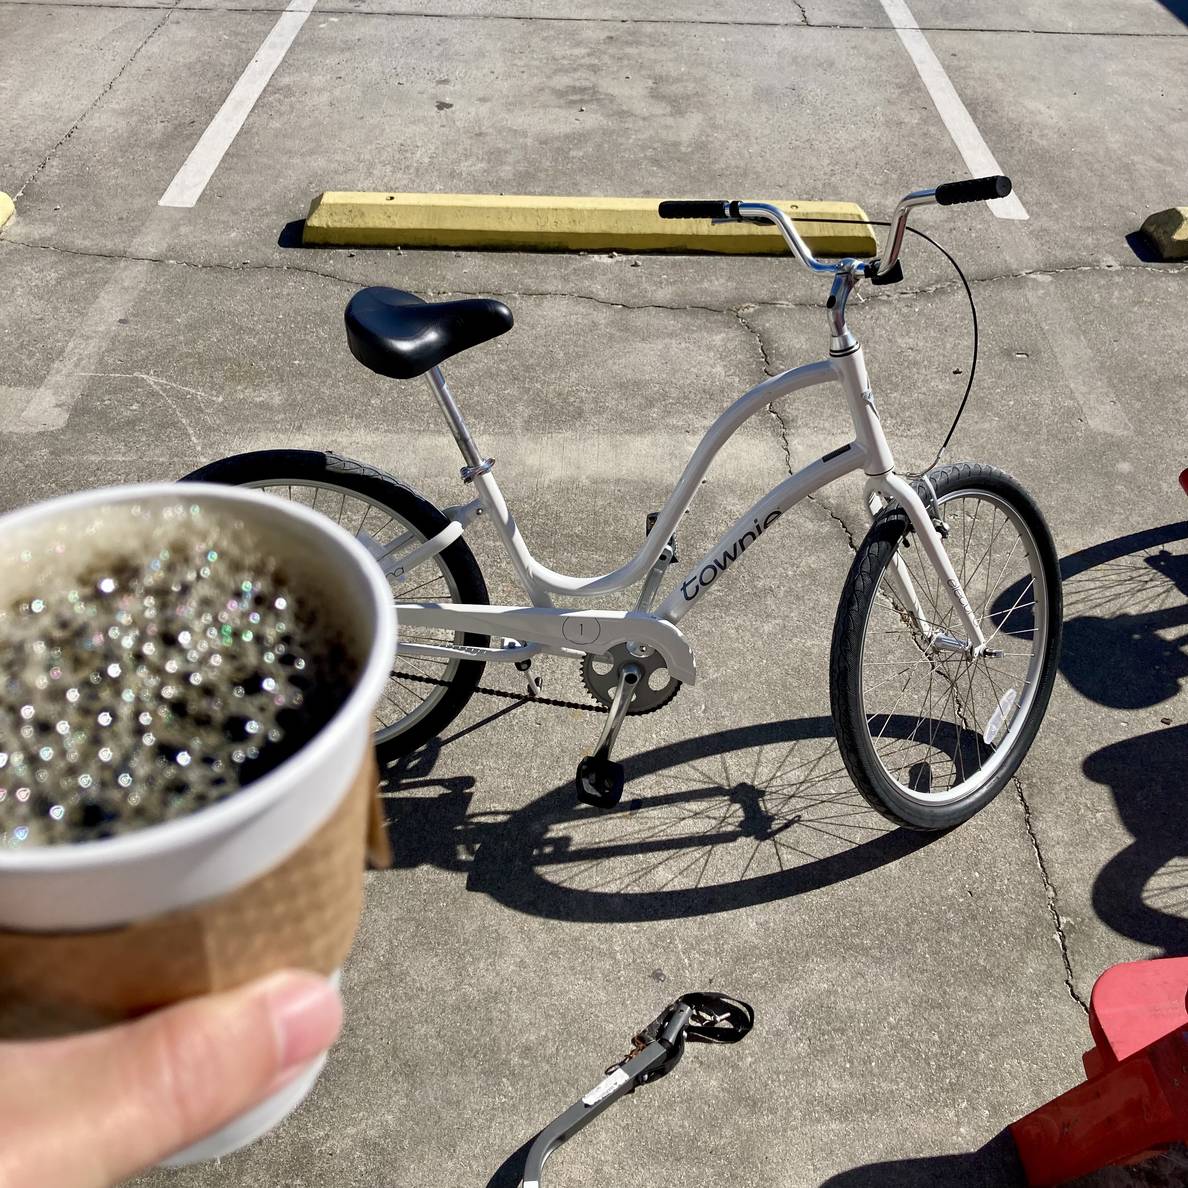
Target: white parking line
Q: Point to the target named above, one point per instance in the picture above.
(979, 160)
(192, 178)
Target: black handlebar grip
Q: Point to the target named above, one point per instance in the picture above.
(978, 189)
(696, 209)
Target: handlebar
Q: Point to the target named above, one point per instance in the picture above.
(978, 189)
(697, 209)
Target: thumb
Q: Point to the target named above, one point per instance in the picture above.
(89, 1110)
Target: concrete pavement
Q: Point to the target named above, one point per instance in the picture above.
(912, 996)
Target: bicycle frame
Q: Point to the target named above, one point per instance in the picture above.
(542, 627)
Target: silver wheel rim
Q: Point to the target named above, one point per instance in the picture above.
(413, 701)
(924, 706)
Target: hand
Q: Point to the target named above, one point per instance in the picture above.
(90, 1110)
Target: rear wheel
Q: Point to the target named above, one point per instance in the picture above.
(930, 736)
(422, 696)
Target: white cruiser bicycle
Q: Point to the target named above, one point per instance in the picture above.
(946, 640)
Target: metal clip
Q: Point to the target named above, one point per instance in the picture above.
(470, 473)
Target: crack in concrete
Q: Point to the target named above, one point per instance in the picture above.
(815, 500)
(111, 82)
(783, 428)
(559, 295)
(782, 425)
(839, 520)
(739, 312)
(1050, 895)
(406, 13)
(803, 22)
(211, 265)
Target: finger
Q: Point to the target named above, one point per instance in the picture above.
(96, 1108)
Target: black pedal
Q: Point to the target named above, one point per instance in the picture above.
(600, 781)
(650, 523)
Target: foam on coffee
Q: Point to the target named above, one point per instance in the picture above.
(156, 660)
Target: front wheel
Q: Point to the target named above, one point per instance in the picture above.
(422, 696)
(928, 735)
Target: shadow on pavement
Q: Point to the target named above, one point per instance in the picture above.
(1142, 892)
(1121, 597)
(996, 1165)
(510, 1172)
(1126, 647)
(1178, 9)
(707, 824)
(766, 812)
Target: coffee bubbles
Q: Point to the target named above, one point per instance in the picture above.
(153, 662)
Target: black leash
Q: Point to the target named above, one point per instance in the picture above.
(702, 1018)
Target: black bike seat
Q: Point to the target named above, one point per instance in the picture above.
(397, 334)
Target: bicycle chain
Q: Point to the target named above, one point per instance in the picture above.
(523, 698)
(520, 697)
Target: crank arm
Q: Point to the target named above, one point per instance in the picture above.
(628, 679)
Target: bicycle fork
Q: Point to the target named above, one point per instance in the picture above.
(893, 486)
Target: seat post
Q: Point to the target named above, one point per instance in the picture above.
(453, 414)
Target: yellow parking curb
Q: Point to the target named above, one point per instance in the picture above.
(364, 219)
(6, 208)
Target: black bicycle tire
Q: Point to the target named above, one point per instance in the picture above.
(849, 631)
(409, 505)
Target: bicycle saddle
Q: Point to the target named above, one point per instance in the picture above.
(397, 334)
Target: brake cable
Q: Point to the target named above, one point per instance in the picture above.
(973, 312)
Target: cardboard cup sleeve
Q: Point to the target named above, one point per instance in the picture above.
(303, 913)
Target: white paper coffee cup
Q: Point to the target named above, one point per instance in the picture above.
(186, 862)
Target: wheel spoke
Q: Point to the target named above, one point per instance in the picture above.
(403, 703)
(927, 738)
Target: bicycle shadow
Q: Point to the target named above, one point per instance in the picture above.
(1126, 647)
(1142, 892)
(1121, 596)
(766, 812)
(708, 824)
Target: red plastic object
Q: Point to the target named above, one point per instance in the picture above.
(1136, 1098)
(1184, 480)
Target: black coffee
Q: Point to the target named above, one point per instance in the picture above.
(154, 661)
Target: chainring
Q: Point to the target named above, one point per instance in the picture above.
(600, 675)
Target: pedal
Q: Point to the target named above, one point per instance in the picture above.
(600, 782)
(649, 524)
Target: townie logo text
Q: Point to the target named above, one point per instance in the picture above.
(692, 586)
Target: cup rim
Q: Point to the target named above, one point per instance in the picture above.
(260, 795)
